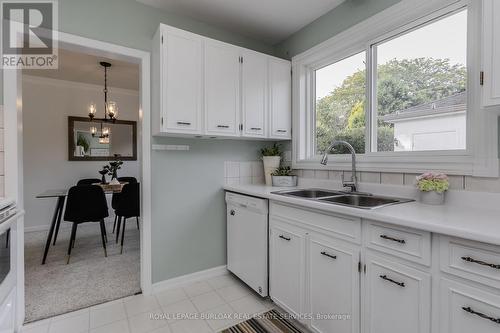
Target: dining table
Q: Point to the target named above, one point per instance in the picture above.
(61, 195)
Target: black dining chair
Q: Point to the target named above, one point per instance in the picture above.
(86, 204)
(128, 206)
(114, 201)
(88, 181)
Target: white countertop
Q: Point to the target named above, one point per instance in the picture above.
(465, 221)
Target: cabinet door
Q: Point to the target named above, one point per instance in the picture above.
(333, 285)
(287, 268)
(280, 82)
(491, 52)
(396, 298)
(182, 82)
(222, 84)
(466, 309)
(254, 94)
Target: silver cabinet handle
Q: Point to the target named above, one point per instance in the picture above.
(183, 123)
(401, 241)
(328, 255)
(384, 277)
(281, 131)
(222, 126)
(285, 238)
(256, 128)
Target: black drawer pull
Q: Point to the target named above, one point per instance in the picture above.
(285, 238)
(183, 123)
(328, 255)
(281, 131)
(384, 277)
(479, 262)
(222, 126)
(401, 241)
(256, 128)
(232, 212)
(482, 315)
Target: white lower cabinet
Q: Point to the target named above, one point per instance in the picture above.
(466, 309)
(287, 252)
(379, 278)
(397, 298)
(333, 285)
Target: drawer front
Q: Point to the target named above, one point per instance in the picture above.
(343, 227)
(471, 260)
(465, 309)
(410, 244)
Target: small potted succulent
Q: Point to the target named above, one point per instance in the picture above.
(283, 177)
(271, 156)
(112, 169)
(433, 187)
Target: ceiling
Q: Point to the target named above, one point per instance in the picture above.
(85, 68)
(270, 21)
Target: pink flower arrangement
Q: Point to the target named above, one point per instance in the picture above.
(429, 181)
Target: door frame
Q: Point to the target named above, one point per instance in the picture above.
(13, 143)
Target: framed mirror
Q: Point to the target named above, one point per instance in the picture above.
(99, 140)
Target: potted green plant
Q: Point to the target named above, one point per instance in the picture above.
(112, 169)
(82, 146)
(271, 157)
(283, 177)
(433, 187)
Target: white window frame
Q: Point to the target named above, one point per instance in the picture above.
(480, 158)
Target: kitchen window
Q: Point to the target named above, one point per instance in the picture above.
(401, 88)
(418, 96)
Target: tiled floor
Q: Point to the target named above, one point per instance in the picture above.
(206, 306)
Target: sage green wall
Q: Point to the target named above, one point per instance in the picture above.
(337, 20)
(188, 224)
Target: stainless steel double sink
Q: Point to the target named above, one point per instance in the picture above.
(357, 199)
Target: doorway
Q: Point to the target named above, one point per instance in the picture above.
(15, 131)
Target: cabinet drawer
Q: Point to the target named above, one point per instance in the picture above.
(410, 244)
(465, 309)
(471, 260)
(344, 227)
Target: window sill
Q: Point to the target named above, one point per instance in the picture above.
(449, 164)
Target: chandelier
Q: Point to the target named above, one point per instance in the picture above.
(110, 110)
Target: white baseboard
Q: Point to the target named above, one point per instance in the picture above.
(189, 278)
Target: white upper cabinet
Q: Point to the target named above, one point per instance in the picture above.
(491, 53)
(254, 97)
(203, 87)
(181, 81)
(280, 87)
(222, 87)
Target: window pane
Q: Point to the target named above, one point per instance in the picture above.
(421, 88)
(340, 104)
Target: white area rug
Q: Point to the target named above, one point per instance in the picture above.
(90, 278)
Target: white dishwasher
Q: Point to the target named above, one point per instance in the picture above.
(247, 240)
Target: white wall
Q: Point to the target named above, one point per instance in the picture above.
(47, 103)
(439, 132)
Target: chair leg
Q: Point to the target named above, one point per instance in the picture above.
(123, 234)
(137, 219)
(74, 239)
(71, 241)
(103, 232)
(118, 226)
(8, 239)
(114, 224)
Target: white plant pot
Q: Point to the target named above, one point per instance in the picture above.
(271, 163)
(432, 198)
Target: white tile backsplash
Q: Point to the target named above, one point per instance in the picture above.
(244, 173)
(392, 178)
(321, 174)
